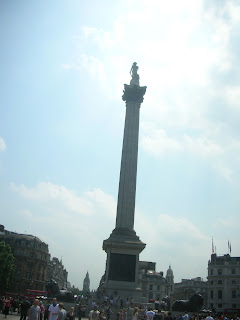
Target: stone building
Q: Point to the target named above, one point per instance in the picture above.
(152, 283)
(224, 282)
(31, 256)
(57, 272)
(86, 283)
(185, 289)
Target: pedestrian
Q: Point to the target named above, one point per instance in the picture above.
(46, 310)
(71, 314)
(150, 314)
(62, 312)
(6, 307)
(102, 315)
(108, 312)
(53, 310)
(25, 305)
(135, 313)
(185, 316)
(34, 311)
(93, 314)
(42, 309)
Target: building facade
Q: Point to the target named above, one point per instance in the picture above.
(152, 283)
(31, 256)
(224, 282)
(57, 272)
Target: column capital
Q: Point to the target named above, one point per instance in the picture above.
(133, 93)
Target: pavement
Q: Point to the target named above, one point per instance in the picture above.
(16, 316)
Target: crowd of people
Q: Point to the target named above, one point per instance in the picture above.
(110, 308)
(37, 310)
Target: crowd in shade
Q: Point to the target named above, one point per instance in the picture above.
(106, 308)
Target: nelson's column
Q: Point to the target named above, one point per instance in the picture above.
(124, 246)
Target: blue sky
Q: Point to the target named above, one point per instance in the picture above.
(63, 67)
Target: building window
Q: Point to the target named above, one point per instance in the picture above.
(233, 271)
(234, 305)
(219, 281)
(150, 287)
(219, 305)
(158, 288)
(234, 294)
(211, 294)
(219, 294)
(28, 275)
(211, 282)
(30, 265)
(234, 282)
(211, 272)
(219, 271)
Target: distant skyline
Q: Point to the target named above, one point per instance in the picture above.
(64, 64)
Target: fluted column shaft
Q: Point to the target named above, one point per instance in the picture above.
(128, 172)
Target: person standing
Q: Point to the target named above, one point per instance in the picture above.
(62, 312)
(25, 305)
(94, 314)
(53, 310)
(71, 314)
(150, 314)
(209, 317)
(185, 316)
(135, 314)
(108, 312)
(6, 307)
(34, 311)
(41, 310)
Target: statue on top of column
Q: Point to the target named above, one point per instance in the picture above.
(134, 74)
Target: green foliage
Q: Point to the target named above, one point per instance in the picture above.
(7, 265)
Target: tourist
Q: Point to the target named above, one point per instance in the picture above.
(25, 305)
(108, 312)
(102, 315)
(62, 312)
(6, 307)
(124, 314)
(135, 313)
(71, 314)
(42, 309)
(94, 314)
(209, 317)
(150, 314)
(34, 311)
(186, 316)
(53, 310)
(46, 310)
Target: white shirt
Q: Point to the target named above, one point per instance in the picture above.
(53, 312)
(150, 315)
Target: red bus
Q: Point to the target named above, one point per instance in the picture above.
(32, 294)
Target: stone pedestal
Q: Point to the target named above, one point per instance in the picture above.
(124, 246)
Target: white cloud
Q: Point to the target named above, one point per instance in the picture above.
(2, 144)
(232, 96)
(47, 192)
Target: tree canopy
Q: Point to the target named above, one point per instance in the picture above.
(7, 265)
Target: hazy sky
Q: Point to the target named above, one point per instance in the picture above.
(63, 66)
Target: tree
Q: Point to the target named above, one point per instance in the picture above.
(7, 266)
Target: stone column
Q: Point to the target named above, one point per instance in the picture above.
(124, 246)
(133, 95)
